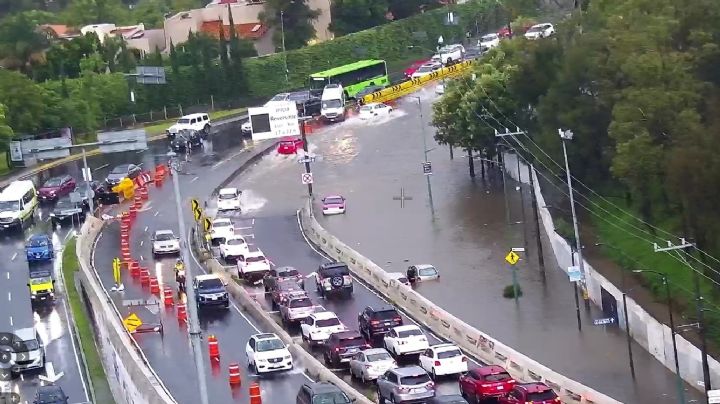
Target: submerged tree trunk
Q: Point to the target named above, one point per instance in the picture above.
(471, 163)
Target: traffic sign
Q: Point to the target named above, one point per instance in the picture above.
(307, 178)
(427, 168)
(207, 223)
(116, 269)
(197, 214)
(306, 159)
(574, 273)
(194, 204)
(604, 321)
(512, 258)
(713, 396)
(132, 322)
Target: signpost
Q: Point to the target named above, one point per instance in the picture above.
(574, 273)
(196, 209)
(132, 322)
(512, 258)
(16, 153)
(274, 120)
(427, 168)
(207, 224)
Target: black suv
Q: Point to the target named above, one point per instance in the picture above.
(185, 138)
(280, 274)
(66, 209)
(342, 346)
(333, 277)
(377, 321)
(322, 392)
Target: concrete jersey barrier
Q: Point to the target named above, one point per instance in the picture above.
(444, 324)
(132, 379)
(301, 356)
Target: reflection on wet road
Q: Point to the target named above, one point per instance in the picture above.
(467, 240)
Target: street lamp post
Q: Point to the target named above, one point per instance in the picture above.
(678, 378)
(194, 326)
(566, 135)
(425, 153)
(282, 31)
(627, 333)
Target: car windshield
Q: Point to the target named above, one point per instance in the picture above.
(211, 284)
(299, 96)
(31, 345)
(235, 241)
(288, 273)
(425, 69)
(328, 322)
(385, 315)
(269, 345)
(410, 333)
(181, 121)
(38, 242)
(414, 380)
(6, 206)
(279, 97)
(298, 303)
(218, 225)
(449, 354)
(382, 356)
(366, 108)
(40, 280)
(65, 203)
(164, 236)
(354, 341)
(333, 201)
(541, 396)
(488, 38)
(227, 196)
(535, 29)
(498, 377)
(332, 104)
(427, 271)
(335, 397)
(53, 182)
(259, 258)
(120, 170)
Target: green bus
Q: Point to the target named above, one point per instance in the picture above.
(354, 77)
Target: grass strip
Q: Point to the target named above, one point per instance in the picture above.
(86, 335)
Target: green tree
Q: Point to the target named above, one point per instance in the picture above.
(350, 16)
(6, 132)
(294, 17)
(20, 40)
(83, 12)
(27, 107)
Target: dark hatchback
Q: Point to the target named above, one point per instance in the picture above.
(342, 346)
(50, 394)
(66, 209)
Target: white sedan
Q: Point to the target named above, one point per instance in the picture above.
(316, 328)
(165, 242)
(220, 229)
(423, 272)
(234, 247)
(405, 340)
(540, 31)
(374, 109)
(267, 353)
(371, 364)
(443, 359)
(488, 42)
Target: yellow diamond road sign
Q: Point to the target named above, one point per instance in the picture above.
(194, 204)
(512, 258)
(132, 322)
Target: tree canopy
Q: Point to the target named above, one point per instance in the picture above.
(294, 17)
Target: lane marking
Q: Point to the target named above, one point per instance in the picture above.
(11, 321)
(248, 235)
(194, 179)
(156, 213)
(9, 296)
(146, 229)
(141, 258)
(101, 167)
(13, 259)
(243, 228)
(142, 242)
(140, 152)
(8, 274)
(253, 222)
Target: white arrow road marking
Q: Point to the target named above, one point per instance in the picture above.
(51, 377)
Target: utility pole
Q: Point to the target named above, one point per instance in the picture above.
(306, 157)
(88, 178)
(425, 153)
(538, 239)
(194, 324)
(566, 135)
(282, 31)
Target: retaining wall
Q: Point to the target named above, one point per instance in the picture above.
(653, 335)
(444, 324)
(131, 378)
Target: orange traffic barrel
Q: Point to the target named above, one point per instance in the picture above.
(126, 254)
(168, 296)
(144, 194)
(144, 277)
(154, 285)
(255, 397)
(134, 268)
(181, 313)
(124, 227)
(138, 203)
(213, 347)
(124, 243)
(234, 374)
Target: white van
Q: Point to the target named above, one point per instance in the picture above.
(333, 103)
(17, 205)
(198, 122)
(30, 354)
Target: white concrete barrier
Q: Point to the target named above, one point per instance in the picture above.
(301, 357)
(131, 378)
(444, 324)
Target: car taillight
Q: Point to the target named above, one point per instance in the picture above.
(486, 385)
(437, 363)
(374, 322)
(464, 358)
(397, 319)
(337, 349)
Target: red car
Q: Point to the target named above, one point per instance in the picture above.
(56, 187)
(289, 146)
(504, 32)
(413, 67)
(530, 393)
(485, 382)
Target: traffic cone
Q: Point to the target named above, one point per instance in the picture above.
(168, 296)
(125, 227)
(144, 277)
(133, 211)
(125, 252)
(154, 285)
(138, 203)
(234, 374)
(124, 243)
(144, 194)
(213, 347)
(134, 268)
(181, 313)
(255, 397)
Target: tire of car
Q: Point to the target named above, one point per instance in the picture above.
(326, 359)
(206, 128)
(433, 375)
(478, 398)
(226, 305)
(381, 399)
(392, 399)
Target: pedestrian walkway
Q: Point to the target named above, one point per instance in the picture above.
(374, 165)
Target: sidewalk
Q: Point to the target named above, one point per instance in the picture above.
(467, 240)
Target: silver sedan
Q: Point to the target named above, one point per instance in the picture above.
(371, 363)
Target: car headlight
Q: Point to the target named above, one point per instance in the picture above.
(286, 357)
(34, 292)
(52, 215)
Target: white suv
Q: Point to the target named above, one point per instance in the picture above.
(221, 229)
(253, 266)
(405, 340)
(317, 328)
(449, 54)
(198, 122)
(540, 31)
(228, 199)
(267, 353)
(234, 247)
